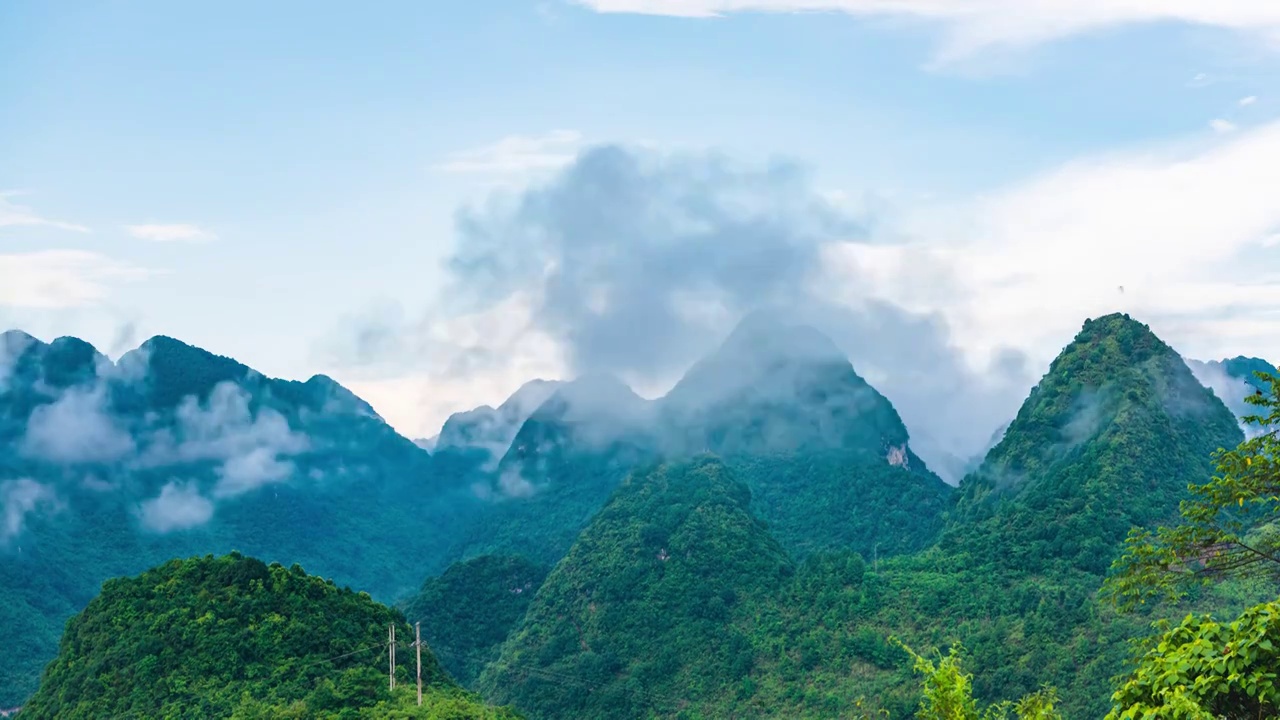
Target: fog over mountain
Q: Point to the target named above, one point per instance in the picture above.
(635, 263)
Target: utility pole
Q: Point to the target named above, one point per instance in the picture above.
(417, 644)
(391, 655)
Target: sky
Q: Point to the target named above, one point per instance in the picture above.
(435, 202)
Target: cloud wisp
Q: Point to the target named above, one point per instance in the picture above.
(180, 232)
(252, 449)
(15, 215)
(20, 498)
(54, 279)
(179, 506)
(77, 428)
(971, 26)
(517, 154)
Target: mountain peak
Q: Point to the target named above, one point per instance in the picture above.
(528, 397)
(1071, 464)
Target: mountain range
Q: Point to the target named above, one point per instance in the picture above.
(767, 522)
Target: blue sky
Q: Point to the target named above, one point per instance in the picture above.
(259, 179)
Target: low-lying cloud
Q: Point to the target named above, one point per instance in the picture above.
(20, 498)
(252, 448)
(77, 427)
(179, 506)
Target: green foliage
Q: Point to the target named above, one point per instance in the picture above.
(1204, 670)
(648, 608)
(806, 498)
(467, 612)
(227, 637)
(1111, 437)
(1229, 525)
(948, 694)
(1108, 441)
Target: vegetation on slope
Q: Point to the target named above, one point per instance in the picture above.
(1107, 441)
(233, 637)
(467, 612)
(647, 608)
(1111, 437)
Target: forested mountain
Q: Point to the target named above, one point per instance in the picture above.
(231, 637)
(826, 457)
(649, 603)
(491, 430)
(1111, 436)
(1233, 380)
(1108, 440)
(806, 531)
(108, 468)
(468, 611)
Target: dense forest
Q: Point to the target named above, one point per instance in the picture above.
(234, 637)
(760, 543)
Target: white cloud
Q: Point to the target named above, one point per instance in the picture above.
(21, 498)
(417, 404)
(517, 154)
(61, 278)
(13, 215)
(170, 233)
(179, 506)
(1247, 101)
(973, 25)
(1221, 126)
(252, 447)
(1180, 227)
(77, 428)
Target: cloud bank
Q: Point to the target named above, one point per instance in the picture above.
(252, 449)
(635, 263)
(77, 428)
(974, 25)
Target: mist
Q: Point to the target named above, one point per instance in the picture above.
(179, 506)
(76, 428)
(1230, 390)
(637, 263)
(22, 497)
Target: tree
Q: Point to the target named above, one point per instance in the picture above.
(1230, 527)
(948, 693)
(1204, 670)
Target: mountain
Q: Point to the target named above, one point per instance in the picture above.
(563, 464)
(1232, 381)
(777, 387)
(492, 430)
(1108, 440)
(107, 468)
(234, 637)
(646, 609)
(826, 456)
(468, 611)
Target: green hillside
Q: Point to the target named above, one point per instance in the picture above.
(649, 609)
(1110, 437)
(233, 637)
(1108, 440)
(468, 611)
(107, 469)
